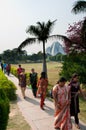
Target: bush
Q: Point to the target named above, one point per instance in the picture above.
(7, 86)
(4, 110)
(75, 63)
(14, 71)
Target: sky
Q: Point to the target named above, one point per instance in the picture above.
(17, 15)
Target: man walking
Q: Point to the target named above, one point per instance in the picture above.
(33, 81)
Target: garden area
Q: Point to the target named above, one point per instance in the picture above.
(53, 70)
(15, 116)
(73, 61)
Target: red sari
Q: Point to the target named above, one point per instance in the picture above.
(61, 97)
(42, 87)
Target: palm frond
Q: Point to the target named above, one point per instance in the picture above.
(33, 30)
(79, 6)
(49, 26)
(61, 37)
(41, 26)
(26, 42)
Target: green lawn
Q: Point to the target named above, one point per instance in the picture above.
(82, 114)
(53, 69)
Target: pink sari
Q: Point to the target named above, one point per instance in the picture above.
(62, 115)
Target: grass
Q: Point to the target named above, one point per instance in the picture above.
(82, 114)
(16, 120)
(53, 69)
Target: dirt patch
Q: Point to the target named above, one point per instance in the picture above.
(16, 120)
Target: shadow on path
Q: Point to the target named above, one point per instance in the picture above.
(32, 101)
(49, 110)
(82, 126)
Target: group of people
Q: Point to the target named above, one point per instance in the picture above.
(39, 86)
(66, 100)
(6, 67)
(66, 96)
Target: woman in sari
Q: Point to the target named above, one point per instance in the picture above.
(61, 95)
(42, 88)
(23, 82)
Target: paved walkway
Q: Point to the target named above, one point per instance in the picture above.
(37, 118)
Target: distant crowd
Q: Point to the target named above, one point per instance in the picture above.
(6, 67)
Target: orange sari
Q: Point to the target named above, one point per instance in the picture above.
(61, 97)
(42, 88)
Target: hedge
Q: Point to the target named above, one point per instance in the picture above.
(4, 110)
(8, 87)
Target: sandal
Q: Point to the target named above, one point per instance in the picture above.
(77, 126)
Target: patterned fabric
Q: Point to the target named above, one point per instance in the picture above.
(61, 97)
(23, 80)
(42, 87)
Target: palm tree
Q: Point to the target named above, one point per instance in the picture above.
(83, 33)
(41, 33)
(79, 6)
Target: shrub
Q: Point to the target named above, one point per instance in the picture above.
(7, 86)
(14, 71)
(4, 110)
(75, 63)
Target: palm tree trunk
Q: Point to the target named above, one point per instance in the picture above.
(44, 59)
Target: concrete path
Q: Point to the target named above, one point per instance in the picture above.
(37, 118)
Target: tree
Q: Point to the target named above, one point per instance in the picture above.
(79, 6)
(12, 56)
(76, 60)
(42, 33)
(77, 35)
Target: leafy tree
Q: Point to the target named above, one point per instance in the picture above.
(12, 56)
(77, 35)
(79, 6)
(75, 63)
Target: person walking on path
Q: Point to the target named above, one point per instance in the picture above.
(61, 95)
(8, 69)
(74, 106)
(2, 65)
(19, 70)
(33, 81)
(23, 82)
(42, 87)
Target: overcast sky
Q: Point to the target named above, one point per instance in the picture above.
(17, 15)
